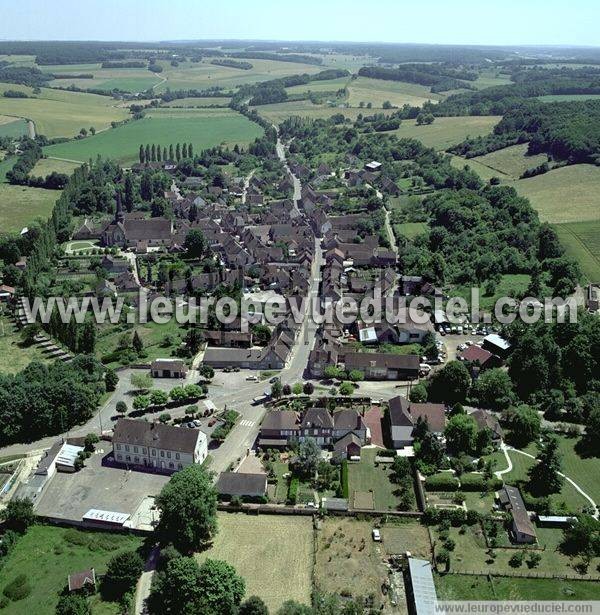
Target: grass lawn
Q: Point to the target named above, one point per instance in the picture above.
(347, 560)
(568, 194)
(13, 356)
(377, 91)
(584, 471)
(399, 537)
(481, 502)
(410, 229)
(581, 241)
(46, 555)
(364, 477)
(447, 131)
(463, 587)
(21, 205)
(58, 113)
(490, 78)
(249, 542)
(511, 161)
(203, 128)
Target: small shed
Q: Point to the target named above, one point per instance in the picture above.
(84, 581)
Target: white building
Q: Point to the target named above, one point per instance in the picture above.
(154, 445)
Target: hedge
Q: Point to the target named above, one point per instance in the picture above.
(292, 494)
(441, 482)
(344, 479)
(476, 482)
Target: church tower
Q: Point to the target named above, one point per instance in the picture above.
(119, 215)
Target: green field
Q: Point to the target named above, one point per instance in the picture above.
(46, 166)
(209, 101)
(330, 85)
(490, 78)
(510, 284)
(447, 131)
(568, 194)
(248, 542)
(278, 112)
(21, 205)
(410, 229)
(58, 113)
(484, 172)
(13, 355)
(12, 126)
(203, 128)
(377, 91)
(566, 97)
(46, 555)
(581, 240)
(510, 161)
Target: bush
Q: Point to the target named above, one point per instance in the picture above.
(18, 588)
(344, 479)
(476, 482)
(441, 482)
(292, 494)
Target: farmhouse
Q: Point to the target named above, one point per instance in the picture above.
(157, 446)
(522, 527)
(168, 368)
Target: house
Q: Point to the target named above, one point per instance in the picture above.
(84, 581)
(168, 368)
(482, 357)
(348, 447)
(383, 366)
(7, 293)
(317, 424)
(486, 420)
(157, 446)
(373, 166)
(592, 297)
(420, 590)
(404, 415)
(114, 265)
(237, 484)
(434, 414)
(522, 527)
(496, 345)
(61, 457)
(278, 428)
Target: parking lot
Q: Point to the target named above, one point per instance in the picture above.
(70, 496)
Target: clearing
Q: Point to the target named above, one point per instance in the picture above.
(568, 194)
(512, 161)
(581, 241)
(484, 172)
(45, 166)
(377, 91)
(203, 128)
(46, 555)
(447, 131)
(278, 112)
(286, 543)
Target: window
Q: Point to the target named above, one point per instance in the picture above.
(118, 447)
(143, 450)
(169, 454)
(171, 465)
(127, 447)
(154, 452)
(162, 453)
(179, 466)
(127, 458)
(177, 456)
(119, 457)
(135, 449)
(136, 459)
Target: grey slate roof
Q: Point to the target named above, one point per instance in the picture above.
(155, 435)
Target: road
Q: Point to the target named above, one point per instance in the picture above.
(390, 231)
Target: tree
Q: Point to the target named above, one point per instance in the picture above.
(450, 384)
(221, 588)
(196, 245)
(309, 454)
(460, 433)
(184, 152)
(147, 153)
(424, 119)
(153, 153)
(188, 505)
(73, 604)
(190, 150)
(110, 379)
(582, 537)
(286, 390)
(291, 607)
(171, 154)
(176, 588)
(121, 407)
(308, 388)
(141, 402)
(297, 388)
(146, 187)
(493, 389)
(141, 155)
(525, 425)
(253, 606)
(276, 389)
(346, 388)
(418, 393)
(207, 372)
(122, 573)
(544, 476)
(18, 515)
(128, 192)
(141, 382)
(137, 343)
(178, 152)
(90, 440)
(159, 397)
(261, 335)
(356, 375)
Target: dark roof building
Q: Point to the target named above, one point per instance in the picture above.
(86, 579)
(236, 484)
(512, 501)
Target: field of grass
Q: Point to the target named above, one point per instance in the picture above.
(484, 172)
(278, 112)
(249, 542)
(46, 555)
(46, 166)
(490, 78)
(348, 561)
(508, 286)
(581, 241)
(410, 229)
(467, 587)
(330, 85)
(406, 536)
(364, 477)
(202, 127)
(21, 205)
(208, 101)
(447, 131)
(568, 194)
(13, 355)
(584, 471)
(12, 126)
(59, 113)
(511, 161)
(377, 91)
(566, 97)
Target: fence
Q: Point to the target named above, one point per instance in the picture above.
(530, 574)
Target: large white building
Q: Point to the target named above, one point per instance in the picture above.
(158, 446)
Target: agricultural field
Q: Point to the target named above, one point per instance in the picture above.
(21, 205)
(247, 541)
(46, 555)
(447, 131)
(331, 85)
(410, 535)
(202, 127)
(348, 562)
(12, 126)
(278, 112)
(581, 241)
(14, 356)
(59, 113)
(510, 161)
(485, 173)
(377, 91)
(568, 194)
(45, 166)
(208, 101)
(490, 78)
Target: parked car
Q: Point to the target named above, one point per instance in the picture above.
(252, 378)
(197, 423)
(376, 535)
(212, 422)
(273, 380)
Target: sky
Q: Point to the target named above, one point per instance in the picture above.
(487, 22)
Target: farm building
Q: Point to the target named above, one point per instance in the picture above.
(168, 368)
(420, 591)
(522, 527)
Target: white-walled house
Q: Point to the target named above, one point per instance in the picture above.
(157, 446)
